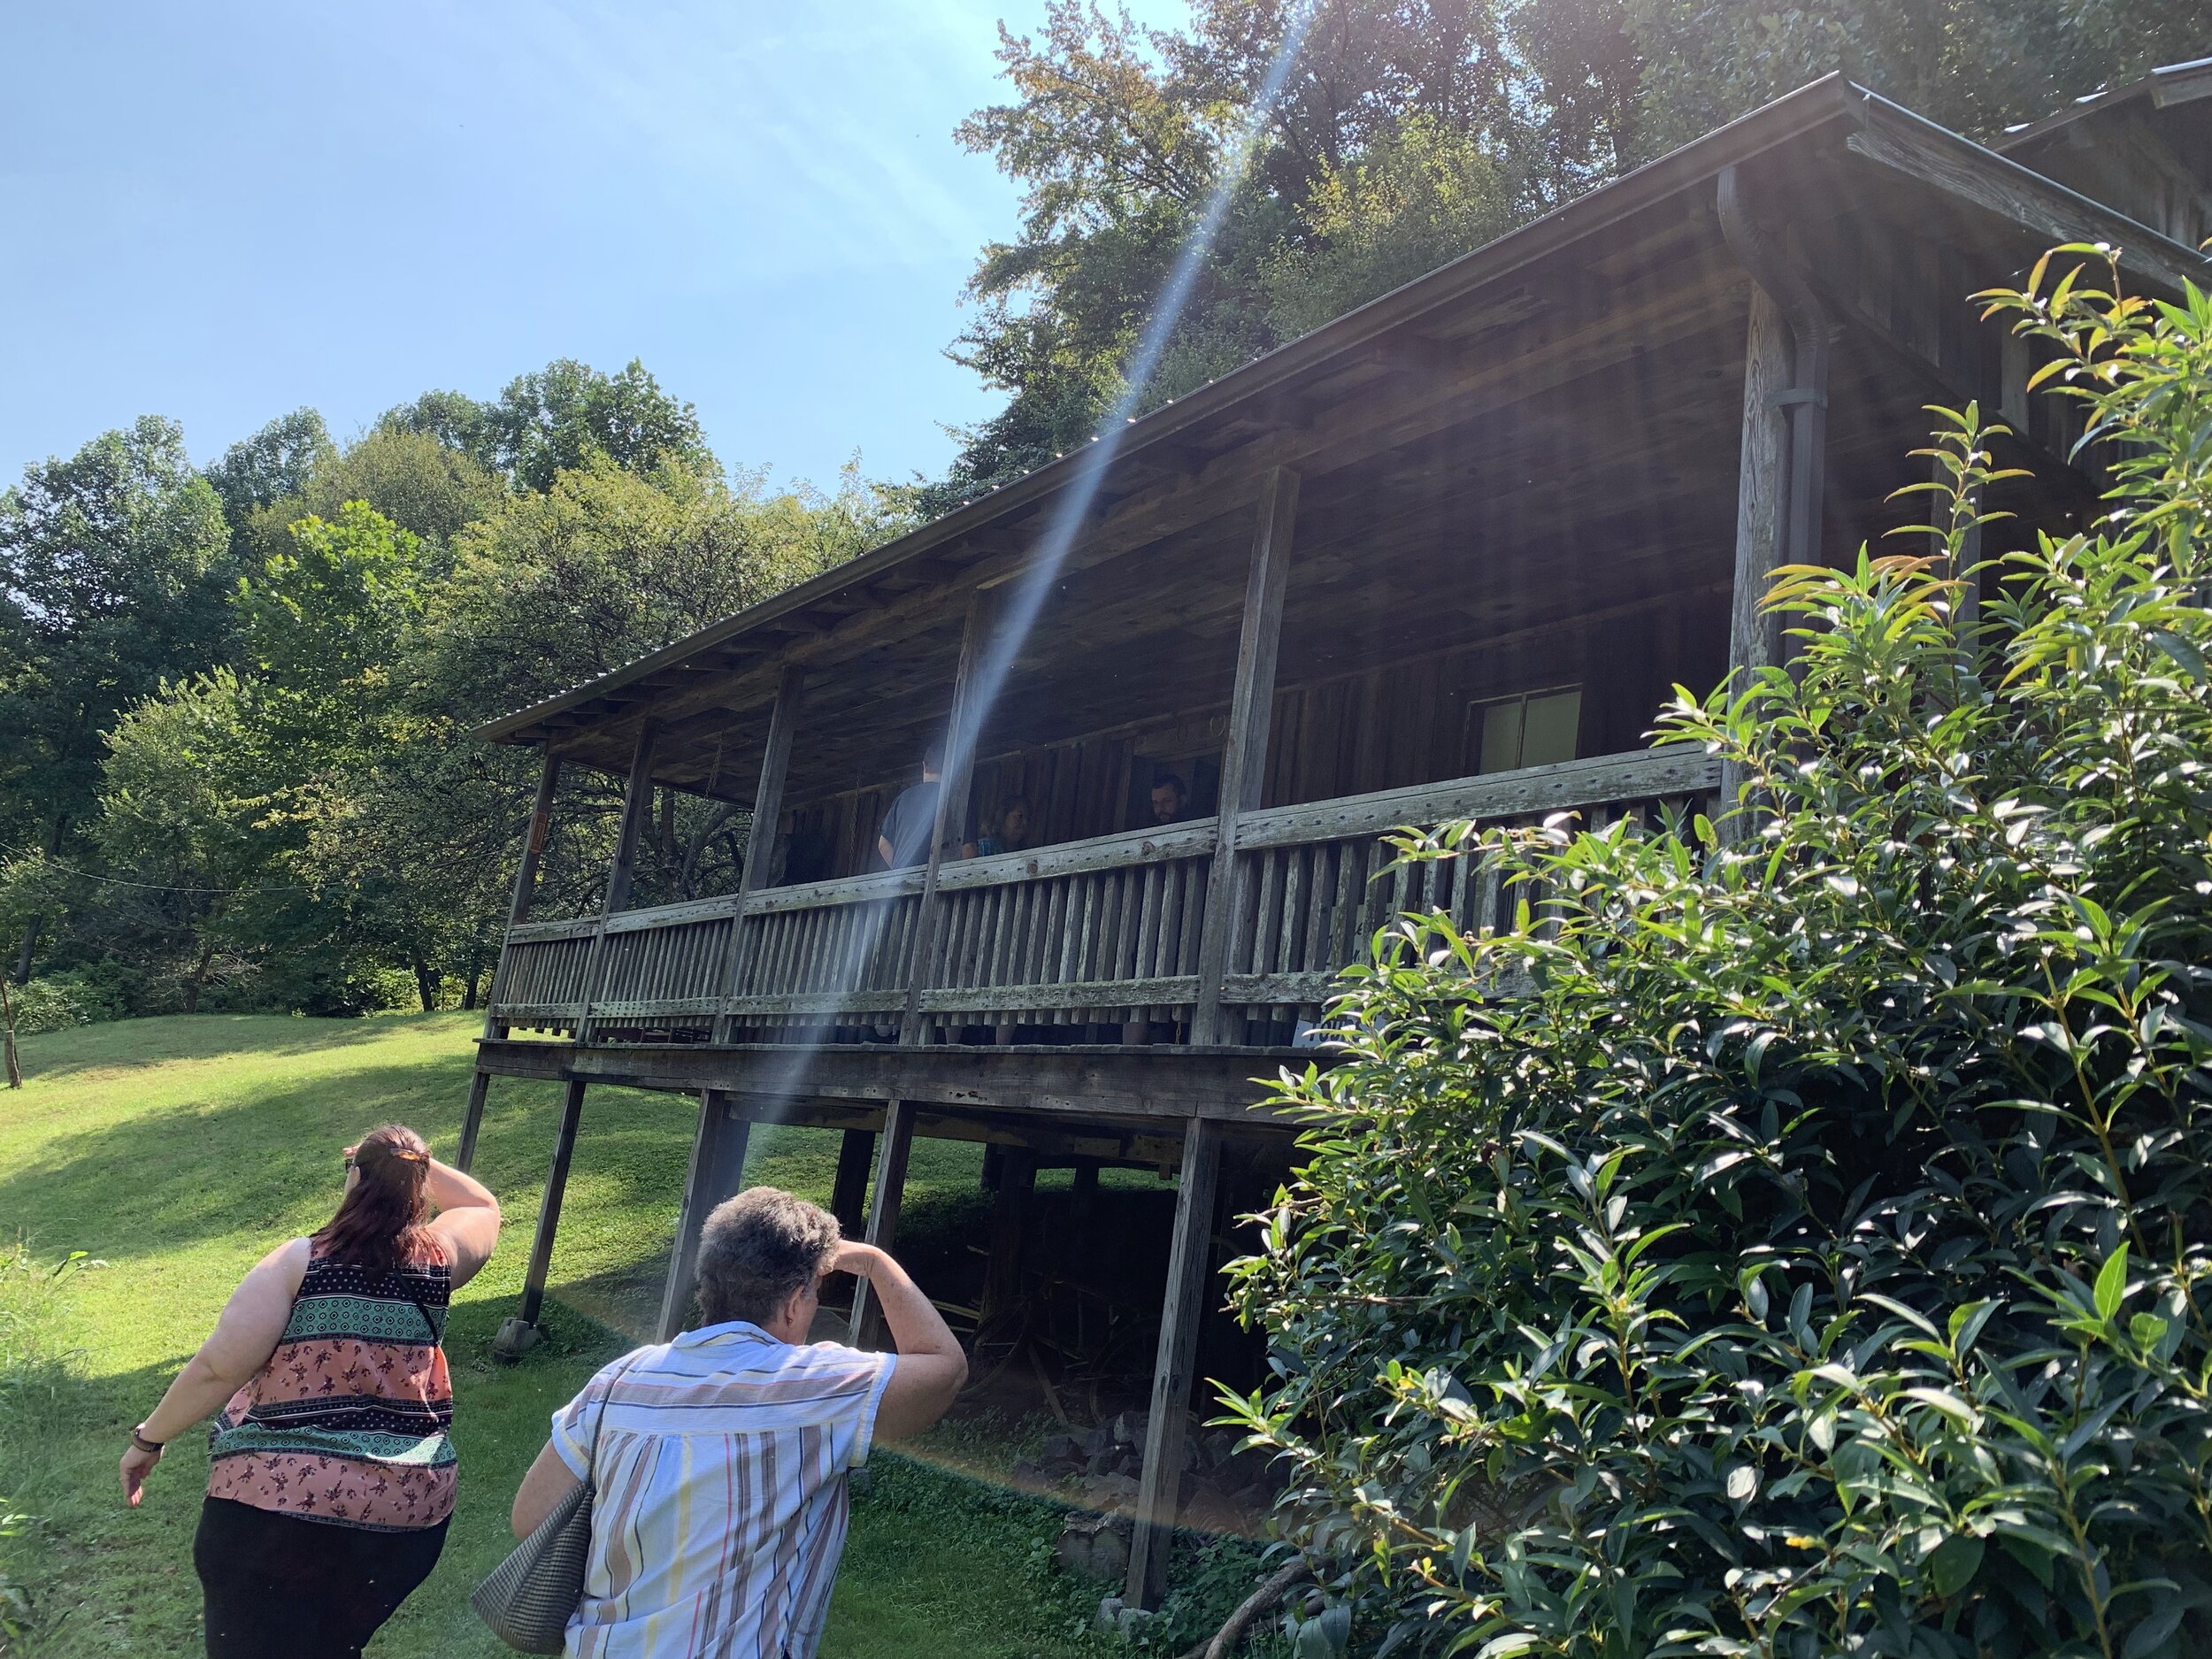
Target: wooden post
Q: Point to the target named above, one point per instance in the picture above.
(760, 840)
(960, 736)
(517, 912)
(550, 1212)
(1755, 638)
(849, 1196)
(1180, 1312)
(1009, 1220)
(718, 1171)
(473, 1120)
(1761, 484)
(883, 1213)
(1244, 756)
(637, 807)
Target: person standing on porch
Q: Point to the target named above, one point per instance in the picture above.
(717, 1460)
(331, 1480)
(904, 838)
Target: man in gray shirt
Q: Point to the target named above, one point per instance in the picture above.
(904, 838)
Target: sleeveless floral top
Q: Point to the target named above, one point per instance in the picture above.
(347, 1422)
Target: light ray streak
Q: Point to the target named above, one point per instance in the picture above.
(1072, 508)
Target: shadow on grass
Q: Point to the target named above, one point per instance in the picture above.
(106, 1579)
(259, 1158)
(119, 1045)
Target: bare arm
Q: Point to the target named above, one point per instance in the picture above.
(931, 1367)
(547, 1482)
(251, 1324)
(883, 851)
(467, 1221)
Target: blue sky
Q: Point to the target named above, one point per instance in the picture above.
(221, 212)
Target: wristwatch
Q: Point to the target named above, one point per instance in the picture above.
(152, 1448)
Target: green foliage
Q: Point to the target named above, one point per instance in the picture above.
(281, 460)
(1409, 132)
(409, 477)
(1791, 1236)
(607, 564)
(55, 1001)
(112, 578)
(38, 1392)
(557, 419)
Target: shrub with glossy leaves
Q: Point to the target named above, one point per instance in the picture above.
(1791, 1237)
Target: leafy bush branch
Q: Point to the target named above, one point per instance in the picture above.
(1790, 1236)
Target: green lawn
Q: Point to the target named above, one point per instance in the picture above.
(177, 1150)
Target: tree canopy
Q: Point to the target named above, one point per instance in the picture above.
(233, 768)
(1409, 132)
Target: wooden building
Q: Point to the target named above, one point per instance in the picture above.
(1443, 558)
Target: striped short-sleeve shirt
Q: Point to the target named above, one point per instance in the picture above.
(719, 1506)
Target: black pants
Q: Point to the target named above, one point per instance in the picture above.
(279, 1587)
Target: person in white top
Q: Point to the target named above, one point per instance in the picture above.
(718, 1460)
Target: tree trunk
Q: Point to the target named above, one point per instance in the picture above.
(193, 986)
(426, 985)
(470, 988)
(30, 945)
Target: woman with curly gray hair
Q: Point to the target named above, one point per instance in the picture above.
(717, 1460)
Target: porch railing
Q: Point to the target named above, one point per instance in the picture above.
(1099, 933)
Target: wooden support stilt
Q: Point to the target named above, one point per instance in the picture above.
(849, 1196)
(718, 1171)
(883, 1213)
(1010, 1221)
(520, 1333)
(1181, 1311)
(1244, 756)
(517, 912)
(472, 1121)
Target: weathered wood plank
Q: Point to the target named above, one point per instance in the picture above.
(1092, 993)
(883, 1212)
(550, 1208)
(1183, 1307)
(1537, 790)
(717, 1171)
(1896, 138)
(1251, 705)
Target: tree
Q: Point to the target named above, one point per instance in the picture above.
(409, 477)
(1790, 1235)
(609, 564)
(113, 574)
(277, 461)
(1406, 133)
(557, 418)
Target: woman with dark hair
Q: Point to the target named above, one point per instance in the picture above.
(332, 1475)
(1009, 832)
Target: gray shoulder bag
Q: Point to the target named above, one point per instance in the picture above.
(528, 1598)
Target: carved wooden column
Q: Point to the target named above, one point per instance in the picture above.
(1244, 756)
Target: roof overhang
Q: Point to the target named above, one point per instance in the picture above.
(1872, 127)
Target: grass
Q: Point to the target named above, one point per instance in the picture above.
(176, 1151)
